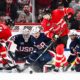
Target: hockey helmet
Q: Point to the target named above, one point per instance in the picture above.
(73, 32)
(25, 31)
(35, 29)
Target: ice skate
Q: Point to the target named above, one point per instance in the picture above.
(73, 68)
(56, 69)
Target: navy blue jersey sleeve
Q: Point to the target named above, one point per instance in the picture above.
(15, 38)
(71, 47)
(74, 44)
(46, 39)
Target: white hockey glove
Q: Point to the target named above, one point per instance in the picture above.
(56, 37)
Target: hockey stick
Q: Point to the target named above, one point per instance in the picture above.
(44, 50)
(33, 63)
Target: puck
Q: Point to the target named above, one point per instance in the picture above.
(31, 72)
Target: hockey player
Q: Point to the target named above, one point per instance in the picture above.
(3, 56)
(55, 24)
(40, 42)
(5, 33)
(74, 49)
(23, 48)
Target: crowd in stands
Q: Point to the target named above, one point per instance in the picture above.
(21, 10)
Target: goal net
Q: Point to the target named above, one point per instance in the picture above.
(17, 29)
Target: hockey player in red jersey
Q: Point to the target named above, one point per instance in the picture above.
(2, 56)
(54, 24)
(5, 33)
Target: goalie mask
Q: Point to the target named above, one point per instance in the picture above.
(26, 34)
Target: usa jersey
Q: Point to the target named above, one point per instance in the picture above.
(41, 41)
(23, 48)
(75, 44)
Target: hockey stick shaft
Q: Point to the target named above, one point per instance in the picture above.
(44, 50)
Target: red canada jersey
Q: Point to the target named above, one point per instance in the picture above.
(5, 31)
(56, 25)
(68, 10)
(57, 15)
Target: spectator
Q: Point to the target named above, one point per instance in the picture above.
(25, 14)
(75, 5)
(9, 8)
(22, 17)
(26, 9)
(40, 16)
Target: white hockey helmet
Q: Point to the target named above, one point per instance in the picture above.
(73, 32)
(35, 29)
(25, 31)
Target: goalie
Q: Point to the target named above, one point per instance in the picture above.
(20, 47)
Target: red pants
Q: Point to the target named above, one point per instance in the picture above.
(60, 59)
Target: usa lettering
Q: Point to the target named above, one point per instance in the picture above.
(25, 49)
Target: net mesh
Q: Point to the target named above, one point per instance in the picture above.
(18, 28)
